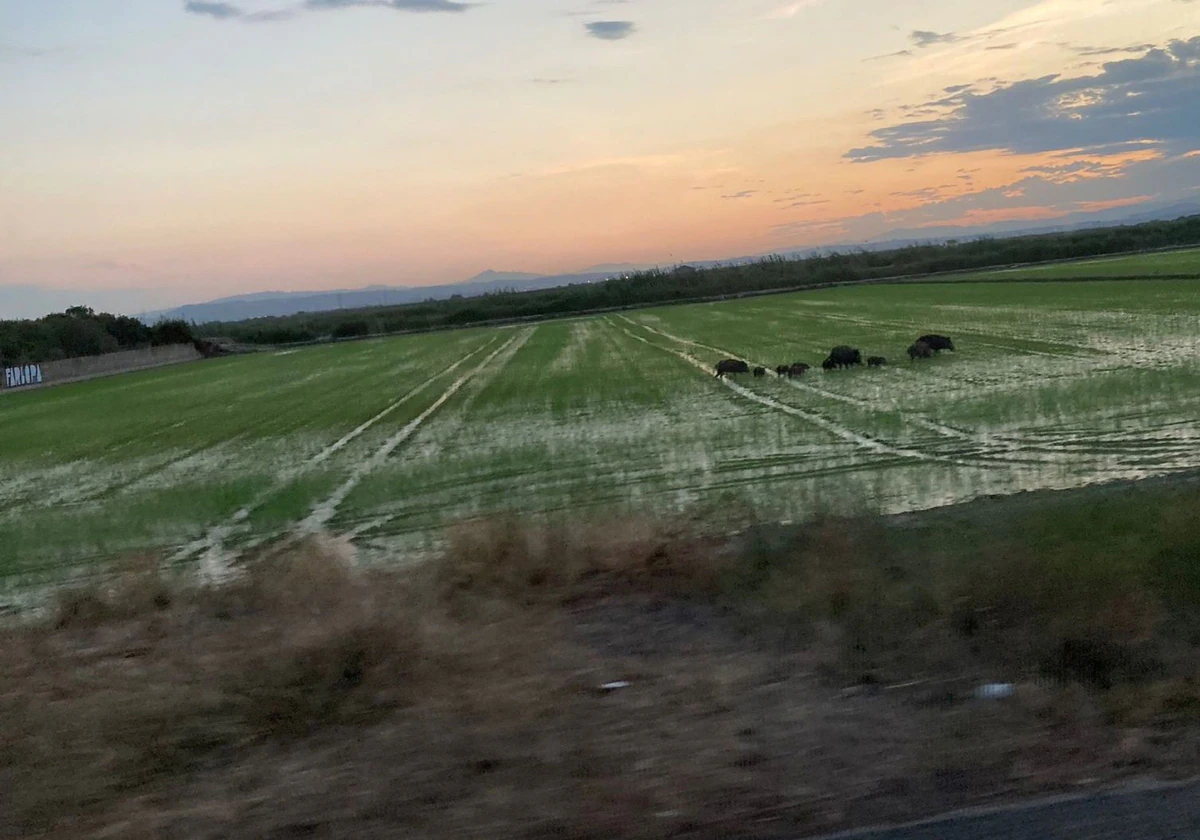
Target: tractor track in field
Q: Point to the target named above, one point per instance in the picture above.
(509, 349)
(325, 510)
(343, 441)
(836, 429)
(99, 490)
(211, 546)
(102, 489)
(370, 532)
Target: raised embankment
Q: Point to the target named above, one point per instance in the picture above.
(89, 367)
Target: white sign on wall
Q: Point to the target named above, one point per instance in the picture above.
(15, 377)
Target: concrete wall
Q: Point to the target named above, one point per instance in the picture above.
(88, 367)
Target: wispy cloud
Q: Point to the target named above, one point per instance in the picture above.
(826, 227)
(1079, 169)
(924, 193)
(227, 11)
(1134, 49)
(220, 11)
(922, 38)
(230, 11)
(610, 30)
(806, 203)
(896, 54)
(790, 10)
(10, 51)
(398, 5)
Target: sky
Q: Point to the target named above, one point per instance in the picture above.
(155, 152)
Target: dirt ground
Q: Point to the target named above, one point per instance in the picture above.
(164, 727)
(498, 696)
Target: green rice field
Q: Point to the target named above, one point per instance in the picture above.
(387, 442)
(1184, 262)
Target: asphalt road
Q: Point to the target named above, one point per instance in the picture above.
(1167, 812)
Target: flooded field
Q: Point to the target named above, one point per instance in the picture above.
(386, 442)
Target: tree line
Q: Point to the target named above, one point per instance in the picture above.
(655, 286)
(81, 332)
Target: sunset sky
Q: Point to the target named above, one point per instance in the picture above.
(156, 152)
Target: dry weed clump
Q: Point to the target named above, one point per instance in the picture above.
(353, 667)
(140, 678)
(136, 587)
(555, 563)
(330, 646)
(310, 574)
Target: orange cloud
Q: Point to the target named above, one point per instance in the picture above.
(1003, 214)
(1095, 206)
(1074, 165)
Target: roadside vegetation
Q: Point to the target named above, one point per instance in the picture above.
(773, 273)
(568, 678)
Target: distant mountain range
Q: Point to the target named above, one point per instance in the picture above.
(275, 304)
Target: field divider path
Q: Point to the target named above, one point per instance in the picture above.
(857, 438)
(378, 521)
(211, 544)
(324, 511)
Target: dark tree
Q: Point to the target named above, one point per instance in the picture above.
(176, 331)
(78, 335)
(351, 329)
(129, 332)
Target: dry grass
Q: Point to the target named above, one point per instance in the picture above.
(136, 587)
(309, 698)
(557, 563)
(138, 680)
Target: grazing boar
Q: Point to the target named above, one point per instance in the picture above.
(936, 342)
(920, 350)
(843, 356)
(729, 366)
